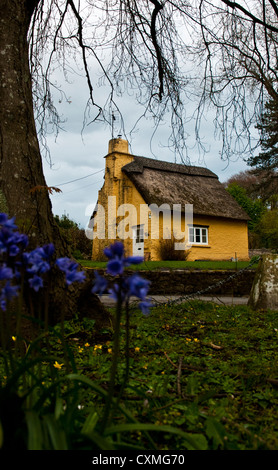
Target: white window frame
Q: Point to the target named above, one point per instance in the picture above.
(139, 233)
(200, 235)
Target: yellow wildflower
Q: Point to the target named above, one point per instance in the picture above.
(109, 350)
(14, 338)
(87, 345)
(137, 349)
(57, 365)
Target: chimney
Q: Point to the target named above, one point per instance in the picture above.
(118, 145)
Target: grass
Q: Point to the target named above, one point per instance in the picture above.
(152, 265)
(208, 370)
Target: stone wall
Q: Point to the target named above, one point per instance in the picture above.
(181, 282)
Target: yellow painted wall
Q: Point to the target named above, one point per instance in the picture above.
(227, 238)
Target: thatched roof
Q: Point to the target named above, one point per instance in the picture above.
(161, 182)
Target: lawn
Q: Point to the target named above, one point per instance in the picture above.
(200, 376)
(152, 265)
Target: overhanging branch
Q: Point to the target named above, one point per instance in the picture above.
(157, 8)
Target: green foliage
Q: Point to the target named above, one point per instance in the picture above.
(267, 230)
(268, 127)
(201, 376)
(80, 245)
(254, 208)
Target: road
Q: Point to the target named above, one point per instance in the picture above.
(222, 300)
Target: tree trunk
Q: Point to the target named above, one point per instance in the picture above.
(20, 159)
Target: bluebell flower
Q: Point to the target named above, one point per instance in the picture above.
(117, 261)
(47, 251)
(5, 272)
(14, 250)
(3, 302)
(6, 240)
(74, 276)
(116, 250)
(134, 285)
(145, 306)
(117, 293)
(63, 263)
(138, 286)
(8, 292)
(35, 282)
(6, 222)
(36, 261)
(115, 267)
(69, 267)
(12, 242)
(133, 260)
(100, 284)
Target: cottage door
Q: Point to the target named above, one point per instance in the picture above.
(138, 240)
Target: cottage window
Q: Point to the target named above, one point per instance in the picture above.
(198, 235)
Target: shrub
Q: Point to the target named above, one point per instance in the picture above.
(80, 245)
(166, 251)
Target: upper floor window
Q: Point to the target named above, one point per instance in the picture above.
(198, 235)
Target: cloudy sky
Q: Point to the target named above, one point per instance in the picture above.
(77, 156)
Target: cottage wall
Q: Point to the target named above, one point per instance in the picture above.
(227, 238)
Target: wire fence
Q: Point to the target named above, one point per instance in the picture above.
(184, 298)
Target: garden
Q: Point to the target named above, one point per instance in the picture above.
(191, 376)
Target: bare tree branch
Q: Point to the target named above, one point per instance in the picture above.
(255, 19)
(157, 8)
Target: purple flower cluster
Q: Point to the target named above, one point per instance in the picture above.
(14, 260)
(69, 267)
(127, 287)
(11, 242)
(38, 262)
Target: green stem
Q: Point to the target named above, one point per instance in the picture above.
(4, 342)
(19, 315)
(127, 342)
(115, 358)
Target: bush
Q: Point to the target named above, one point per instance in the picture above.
(80, 245)
(166, 251)
(267, 230)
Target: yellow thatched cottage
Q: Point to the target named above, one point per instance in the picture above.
(146, 202)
